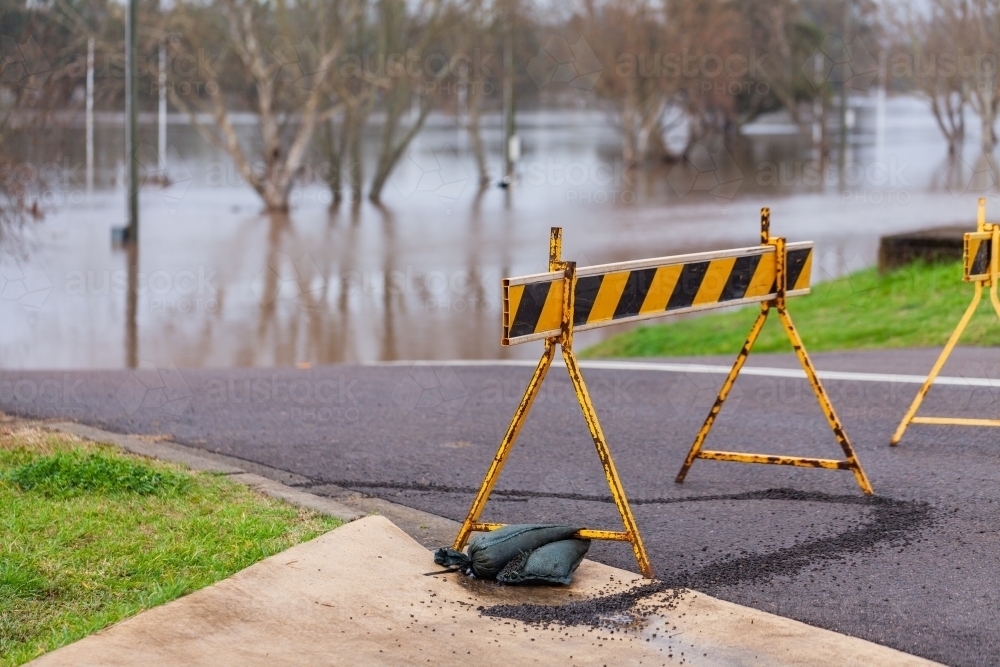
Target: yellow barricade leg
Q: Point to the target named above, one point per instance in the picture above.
(617, 492)
(696, 452)
(506, 444)
(824, 402)
(724, 392)
(911, 413)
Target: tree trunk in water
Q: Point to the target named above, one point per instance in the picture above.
(391, 154)
(275, 197)
(475, 137)
(628, 133)
(335, 157)
(989, 136)
(355, 172)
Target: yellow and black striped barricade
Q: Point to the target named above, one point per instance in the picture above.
(551, 306)
(981, 265)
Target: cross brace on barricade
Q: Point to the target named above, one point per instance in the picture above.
(565, 341)
(982, 267)
(850, 462)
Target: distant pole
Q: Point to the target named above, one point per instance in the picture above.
(90, 115)
(162, 135)
(844, 97)
(509, 138)
(131, 123)
(880, 111)
(818, 118)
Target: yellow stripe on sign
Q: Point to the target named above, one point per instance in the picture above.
(714, 281)
(970, 256)
(763, 277)
(514, 294)
(664, 282)
(612, 286)
(804, 277)
(976, 243)
(551, 317)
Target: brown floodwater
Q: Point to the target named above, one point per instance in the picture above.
(217, 283)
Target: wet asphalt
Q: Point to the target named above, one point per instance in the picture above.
(915, 568)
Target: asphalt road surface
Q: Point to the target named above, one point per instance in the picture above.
(916, 568)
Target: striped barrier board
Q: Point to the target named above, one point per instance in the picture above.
(609, 294)
(977, 256)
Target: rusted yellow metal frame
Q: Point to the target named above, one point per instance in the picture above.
(565, 342)
(911, 414)
(850, 461)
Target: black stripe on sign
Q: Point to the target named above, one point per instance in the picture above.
(740, 277)
(796, 259)
(529, 310)
(636, 288)
(981, 264)
(687, 285)
(586, 293)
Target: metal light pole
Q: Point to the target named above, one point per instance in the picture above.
(511, 144)
(131, 123)
(161, 143)
(90, 115)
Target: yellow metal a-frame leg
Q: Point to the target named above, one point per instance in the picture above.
(565, 341)
(850, 461)
(911, 414)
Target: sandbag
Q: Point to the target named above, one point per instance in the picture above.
(552, 563)
(489, 552)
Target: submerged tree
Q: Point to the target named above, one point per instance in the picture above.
(271, 51)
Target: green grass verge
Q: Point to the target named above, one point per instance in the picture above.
(91, 536)
(916, 306)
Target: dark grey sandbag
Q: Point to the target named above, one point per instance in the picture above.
(489, 552)
(552, 563)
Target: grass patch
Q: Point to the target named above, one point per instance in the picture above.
(916, 306)
(92, 536)
(78, 472)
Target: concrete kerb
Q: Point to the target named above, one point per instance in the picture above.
(362, 595)
(428, 529)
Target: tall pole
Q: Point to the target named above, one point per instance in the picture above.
(844, 98)
(880, 111)
(131, 123)
(90, 115)
(508, 96)
(162, 134)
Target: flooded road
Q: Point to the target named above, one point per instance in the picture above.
(219, 284)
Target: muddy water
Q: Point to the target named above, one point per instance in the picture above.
(217, 283)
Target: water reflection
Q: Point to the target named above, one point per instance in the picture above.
(132, 306)
(220, 284)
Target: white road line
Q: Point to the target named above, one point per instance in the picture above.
(665, 367)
